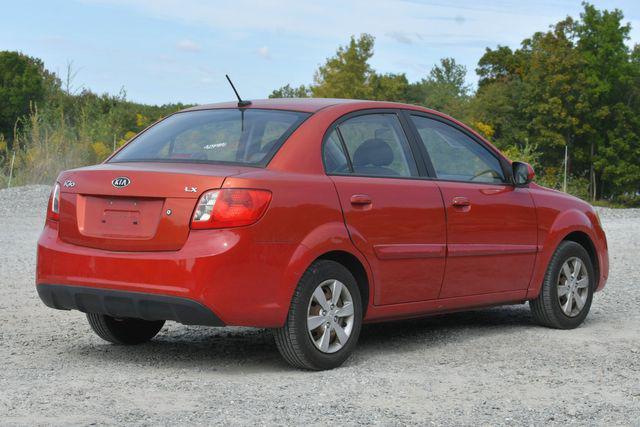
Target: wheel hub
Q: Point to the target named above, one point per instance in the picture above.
(330, 316)
(573, 287)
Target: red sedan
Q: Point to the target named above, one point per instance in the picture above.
(312, 216)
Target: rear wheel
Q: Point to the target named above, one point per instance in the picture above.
(567, 291)
(124, 331)
(324, 319)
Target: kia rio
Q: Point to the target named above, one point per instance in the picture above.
(311, 217)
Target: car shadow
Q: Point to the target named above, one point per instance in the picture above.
(234, 349)
(443, 329)
(205, 348)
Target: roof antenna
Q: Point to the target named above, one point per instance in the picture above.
(241, 103)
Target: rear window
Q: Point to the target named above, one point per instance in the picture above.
(250, 137)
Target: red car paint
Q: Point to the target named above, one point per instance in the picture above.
(423, 245)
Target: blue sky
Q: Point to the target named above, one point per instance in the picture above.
(164, 51)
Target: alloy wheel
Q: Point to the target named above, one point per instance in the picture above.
(573, 286)
(330, 316)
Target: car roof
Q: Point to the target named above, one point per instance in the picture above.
(307, 105)
(312, 105)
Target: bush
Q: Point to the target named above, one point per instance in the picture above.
(73, 131)
(628, 200)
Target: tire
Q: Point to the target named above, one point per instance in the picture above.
(552, 307)
(124, 331)
(308, 349)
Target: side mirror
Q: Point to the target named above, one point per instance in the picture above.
(523, 173)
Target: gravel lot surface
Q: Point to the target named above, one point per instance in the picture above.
(490, 366)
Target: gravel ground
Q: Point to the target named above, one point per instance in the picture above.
(490, 366)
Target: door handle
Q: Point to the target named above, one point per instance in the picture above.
(461, 202)
(361, 199)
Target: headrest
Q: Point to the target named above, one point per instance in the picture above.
(374, 152)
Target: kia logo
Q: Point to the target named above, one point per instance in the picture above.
(120, 182)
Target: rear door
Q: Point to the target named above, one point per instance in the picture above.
(491, 225)
(394, 218)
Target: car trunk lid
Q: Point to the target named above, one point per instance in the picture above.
(134, 206)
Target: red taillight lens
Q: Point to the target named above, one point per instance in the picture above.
(230, 207)
(54, 203)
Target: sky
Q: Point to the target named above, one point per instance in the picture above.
(164, 51)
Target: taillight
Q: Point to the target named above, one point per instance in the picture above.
(230, 207)
(54, 203)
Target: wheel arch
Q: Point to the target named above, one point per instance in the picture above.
(570, 225)
(583, 239)
(329, 241)
(355, 267)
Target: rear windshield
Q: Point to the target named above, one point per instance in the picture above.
(249, 137)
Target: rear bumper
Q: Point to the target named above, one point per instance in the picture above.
(226, 271)
(127, 304)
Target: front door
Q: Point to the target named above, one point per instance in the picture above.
(394, 218)
(491, 225)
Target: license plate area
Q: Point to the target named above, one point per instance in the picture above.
(118, 217)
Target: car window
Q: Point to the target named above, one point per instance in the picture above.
(335, 159)
(224, 135)
(454, 155)
(377, 146)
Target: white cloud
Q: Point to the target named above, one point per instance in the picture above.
(264, 52)
(187, 45)
(400, 37)
(412, 32)
(494, 21)
(509, 22)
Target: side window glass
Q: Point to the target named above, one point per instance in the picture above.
(335, 160)
(455, 156)
(377, 146)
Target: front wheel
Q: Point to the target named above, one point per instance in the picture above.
(567, 290)
(123, 331)
(324, 319)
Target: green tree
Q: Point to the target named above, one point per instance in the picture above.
(498, 65)
(444, 89)
(389, 87)
(287, 91)
(23, 82)
(575, 85)
(498, 107)
(610, 73)
(348, 73)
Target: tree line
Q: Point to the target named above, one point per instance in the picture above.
(47, 124)
(574, 88)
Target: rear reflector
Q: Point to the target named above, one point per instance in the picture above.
(54, 203)
(230, 207)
